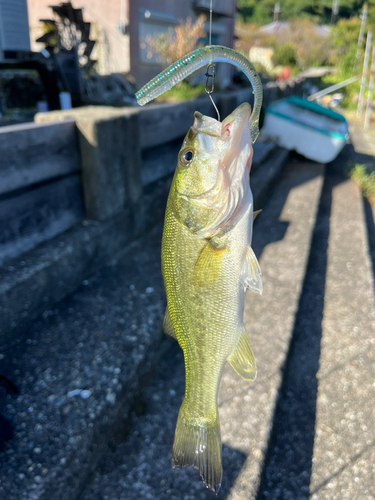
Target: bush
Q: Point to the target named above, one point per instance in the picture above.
(365, 180)
(311, 49)
(344, 39)
(284, 55)
(261, 69)
(183, 91)
(296, 45)
(177, 42)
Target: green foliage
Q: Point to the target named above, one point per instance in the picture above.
(344, 37)
(311, 49)
(255, 11)
(344, 40)
(261, 69)
(365, 180)
(284, 55)
(300, 46)
(263, 12)
(319, 11)
(184, 91)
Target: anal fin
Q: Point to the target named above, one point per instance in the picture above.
(242, 358)
(251, 275)
(167, 325)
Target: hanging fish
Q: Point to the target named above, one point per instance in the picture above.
(207, 264)
(207, 259)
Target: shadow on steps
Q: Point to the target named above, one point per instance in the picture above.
(288, 464)
(370, 226)
(274, 229)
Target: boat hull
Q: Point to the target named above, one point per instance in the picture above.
(317, 133)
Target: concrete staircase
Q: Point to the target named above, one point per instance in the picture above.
(100, 385)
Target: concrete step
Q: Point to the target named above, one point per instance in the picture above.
(263, 179)
(33, 283)
(343, 465)
(79, 368)
(290, 449)
(141, 466)
(322, 444)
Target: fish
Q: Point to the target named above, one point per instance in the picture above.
(207, 265)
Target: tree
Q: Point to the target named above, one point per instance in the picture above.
(284, 55)
(311, 49)
(344, 39)
(319, 11)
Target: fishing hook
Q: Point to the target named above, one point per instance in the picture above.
(208, 90)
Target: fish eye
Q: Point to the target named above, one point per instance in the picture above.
(186, 157)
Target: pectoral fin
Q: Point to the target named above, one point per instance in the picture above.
(242, 358)
(251, 275)
(167, 325)
(208, 265)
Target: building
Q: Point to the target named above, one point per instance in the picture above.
(13, 29)
(262, 55)
(120, 26)
(280, 27)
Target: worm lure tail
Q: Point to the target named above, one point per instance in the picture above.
(190, 63)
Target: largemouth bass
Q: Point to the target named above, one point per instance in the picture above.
(207, 265)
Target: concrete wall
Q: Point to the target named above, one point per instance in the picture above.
(40, 186)
(78, 186)
(92, 162)
(121, 151)
(112, 50)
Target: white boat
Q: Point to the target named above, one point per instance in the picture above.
(313, 131)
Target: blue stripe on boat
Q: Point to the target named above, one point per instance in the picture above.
(335, 135)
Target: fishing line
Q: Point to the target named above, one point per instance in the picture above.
(210, 33)
(208, 90)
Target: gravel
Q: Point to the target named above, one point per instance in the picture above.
(78, 372)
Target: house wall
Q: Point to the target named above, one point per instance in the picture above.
(112, 49)
(13, 26)
(118, 52)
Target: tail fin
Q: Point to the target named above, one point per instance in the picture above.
(198, 443)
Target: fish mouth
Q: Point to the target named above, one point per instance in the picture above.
(233, 180)
(235, 133)
(228, 145)
(234, 125)
(230, 127)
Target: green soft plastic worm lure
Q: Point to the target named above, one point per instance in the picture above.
(190, 63)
